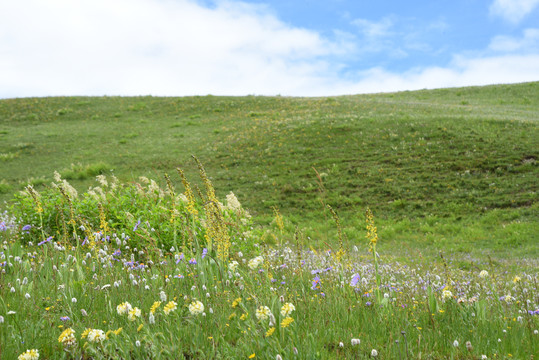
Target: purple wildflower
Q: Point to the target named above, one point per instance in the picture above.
(136, 225)
(204, 252)
(65, 318)
(368, 303)
(26, 227)
(45, 241)
(179, 276)
(355, 279)
(193, 261)
(316, 283)
(180, 258)
(3, 226)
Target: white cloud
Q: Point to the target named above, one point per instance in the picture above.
(133, 47)
(513, 10)
(179, 47)
(461, 72)
(528, 43)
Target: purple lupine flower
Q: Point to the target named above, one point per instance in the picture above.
(204, 252)
(26, 227)
(355, 279)
(45, 241)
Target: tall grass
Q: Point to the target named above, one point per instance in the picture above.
(143, 270)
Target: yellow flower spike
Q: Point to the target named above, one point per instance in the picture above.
(286, 322)
(155, 306)
(270, 331)
(140, 327)
(85, 333)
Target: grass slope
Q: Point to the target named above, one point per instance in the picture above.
(449, 169)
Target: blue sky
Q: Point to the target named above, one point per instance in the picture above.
(298, 48)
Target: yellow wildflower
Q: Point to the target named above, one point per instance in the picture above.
(171, 306)
(85, 333)
(67, 337)
(287, 321)
(236, 302)
(155, 306)
(270, 331)
(32, 354)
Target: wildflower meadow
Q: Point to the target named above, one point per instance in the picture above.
(148, 270)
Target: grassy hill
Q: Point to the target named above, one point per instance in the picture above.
(451, 169)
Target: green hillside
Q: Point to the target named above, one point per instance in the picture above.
(450, 169)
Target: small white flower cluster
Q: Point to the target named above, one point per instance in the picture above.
(124, 308)
(263, 313)
(196, 307)
(96, 336)
(255, 263)
(287, 309)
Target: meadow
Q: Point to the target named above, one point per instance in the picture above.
(392, 226)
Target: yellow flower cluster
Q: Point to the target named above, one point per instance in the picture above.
(270, 331)
(32, 354)
(287, 309)
(134, 314)
(372, 236)
(124, 308)
(236, 302)
(155, 306)
(171, 306)
(67, 337)
(286, 322)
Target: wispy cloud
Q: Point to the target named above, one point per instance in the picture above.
(513, 10)
(529, 42)
(374, 29)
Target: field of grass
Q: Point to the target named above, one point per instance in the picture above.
(139, 271)
(450, 169)
(121, 255)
